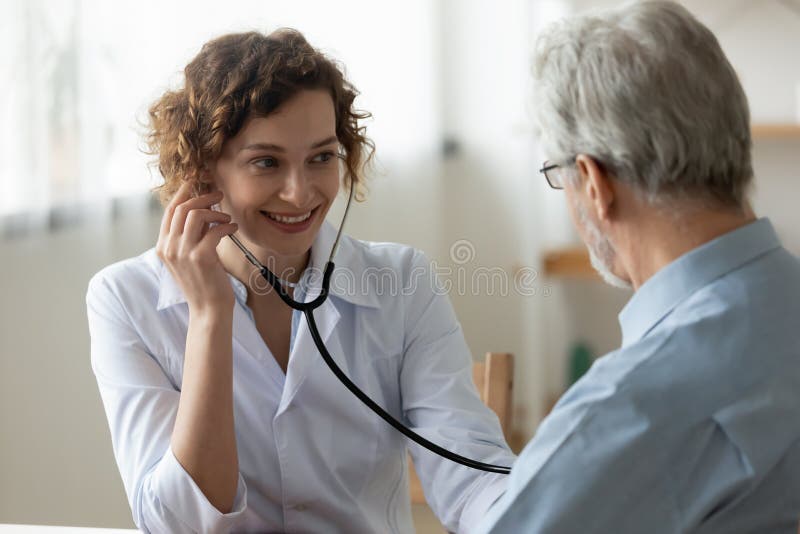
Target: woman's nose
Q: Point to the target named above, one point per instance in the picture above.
(296, 189)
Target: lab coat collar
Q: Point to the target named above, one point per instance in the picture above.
(348, 281)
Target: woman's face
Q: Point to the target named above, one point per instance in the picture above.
(280, 174)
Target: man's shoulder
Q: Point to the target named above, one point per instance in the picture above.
(734, 338)
(745, 319)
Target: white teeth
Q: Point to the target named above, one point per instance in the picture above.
(288, 220)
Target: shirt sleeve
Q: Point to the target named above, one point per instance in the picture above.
(597, 464)
(442, 404)
(141, 405)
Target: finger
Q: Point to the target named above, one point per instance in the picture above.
(181, 211)
(215, 234)
(181, 195)
(197, 222)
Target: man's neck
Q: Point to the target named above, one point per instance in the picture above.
(659, 239)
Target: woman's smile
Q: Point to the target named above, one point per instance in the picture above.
(291, 223)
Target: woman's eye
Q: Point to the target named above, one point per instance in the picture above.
(323, 158)
(266, 163)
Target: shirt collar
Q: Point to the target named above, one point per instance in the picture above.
(697, 268)
(346, 281)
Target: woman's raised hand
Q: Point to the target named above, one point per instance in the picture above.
(187, 244)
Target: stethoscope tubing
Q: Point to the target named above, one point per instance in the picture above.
(386, 416)
(308, 311)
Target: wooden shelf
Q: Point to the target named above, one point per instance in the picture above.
(569, 262)
(776, 131)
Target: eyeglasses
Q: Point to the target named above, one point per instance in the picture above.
(552, 175)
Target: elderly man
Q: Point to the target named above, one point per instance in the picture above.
(693, 425)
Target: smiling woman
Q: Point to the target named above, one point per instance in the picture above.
(221, 414)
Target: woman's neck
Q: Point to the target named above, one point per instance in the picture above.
(289, 268)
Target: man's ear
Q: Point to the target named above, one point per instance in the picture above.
(597, 185)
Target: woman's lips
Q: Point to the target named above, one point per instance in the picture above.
(286, 226)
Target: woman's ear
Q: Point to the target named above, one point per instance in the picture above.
(206, 182)
(197, 188)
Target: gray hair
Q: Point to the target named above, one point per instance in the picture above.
(647, 91)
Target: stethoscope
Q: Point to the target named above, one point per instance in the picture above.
(308, 311)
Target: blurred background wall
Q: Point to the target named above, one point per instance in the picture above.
(447, 82)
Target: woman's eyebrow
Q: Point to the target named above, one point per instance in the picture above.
(263, 146)
(328, 141)
(277, 148)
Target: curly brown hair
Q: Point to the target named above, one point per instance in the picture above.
(239, 75)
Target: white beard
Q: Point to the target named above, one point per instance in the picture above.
(601, 253)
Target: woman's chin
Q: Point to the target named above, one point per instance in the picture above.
(280, 244)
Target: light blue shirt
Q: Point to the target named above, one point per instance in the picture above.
(693, 425)
(312, 458)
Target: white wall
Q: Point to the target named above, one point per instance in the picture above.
(490, 189)
(56, 462)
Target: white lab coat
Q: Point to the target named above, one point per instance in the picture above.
(312, 458)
